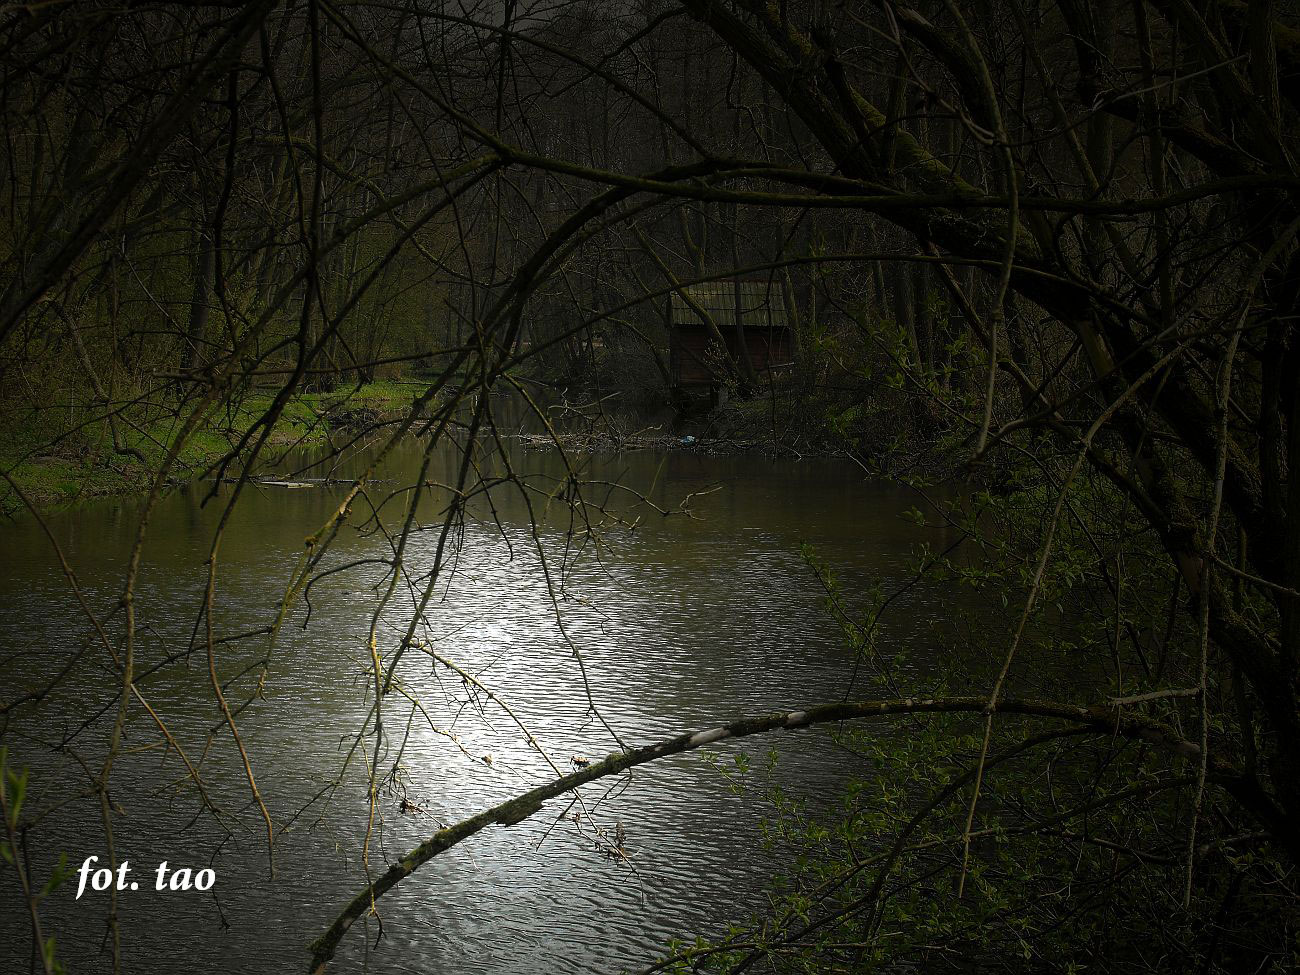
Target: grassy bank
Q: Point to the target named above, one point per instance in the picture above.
(62, 463)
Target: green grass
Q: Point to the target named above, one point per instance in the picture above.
(88, 465)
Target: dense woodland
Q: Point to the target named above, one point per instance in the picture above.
(1045, 250)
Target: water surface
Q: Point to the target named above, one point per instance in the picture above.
(681, 622)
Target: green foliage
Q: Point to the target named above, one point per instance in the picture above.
(1077, 846)
(13, 793)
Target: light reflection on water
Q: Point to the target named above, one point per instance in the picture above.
(681, 624)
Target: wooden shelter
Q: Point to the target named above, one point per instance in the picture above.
(750, 316)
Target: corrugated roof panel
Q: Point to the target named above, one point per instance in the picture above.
(762, 303)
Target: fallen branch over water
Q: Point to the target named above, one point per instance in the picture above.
(1105, 719)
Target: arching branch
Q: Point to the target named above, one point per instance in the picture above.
(1105, 719)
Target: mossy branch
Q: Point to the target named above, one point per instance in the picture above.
(1106, 719)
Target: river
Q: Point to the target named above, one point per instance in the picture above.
(679, 623)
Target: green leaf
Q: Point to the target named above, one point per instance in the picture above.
(19, 784)
(57, 876)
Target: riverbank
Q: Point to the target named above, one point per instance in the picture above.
(786, 423)
(881, 437)
(97, 464)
